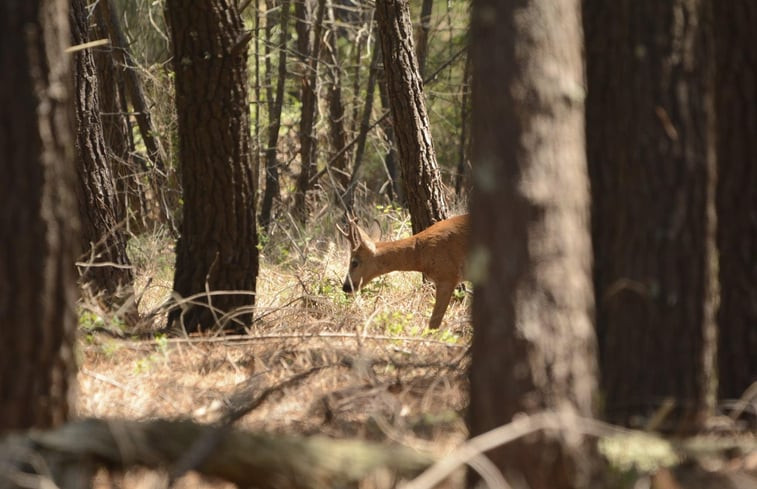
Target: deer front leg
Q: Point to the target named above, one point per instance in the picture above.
(443, 295)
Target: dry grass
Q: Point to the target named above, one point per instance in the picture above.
(365, 365)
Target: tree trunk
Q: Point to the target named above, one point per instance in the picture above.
(424, 28)
(119, 143)
(391, 157)
(308, 140)
(217, 248)
(365, 124)
(736, 106)
(159, 175)
(272, 190)
(106, 271)
(420, 173)
(38, 220)
(534, 345)
(462, 178)
(133, 86)
(338, 162)
(650, 159)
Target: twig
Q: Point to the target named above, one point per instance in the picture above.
(246, 339)
(205, 445)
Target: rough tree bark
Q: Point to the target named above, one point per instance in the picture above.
(736, 106)
(38, 219)
(117, 131)
(217, 247)
(272, 190)
(650, 162)
(160, 207)
(534, 345)
(420, 173)
(106, 271)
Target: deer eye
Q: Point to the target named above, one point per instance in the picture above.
(353, 264)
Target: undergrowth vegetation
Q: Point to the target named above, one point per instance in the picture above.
(325, 362)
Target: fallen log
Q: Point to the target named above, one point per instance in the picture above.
(68, 456)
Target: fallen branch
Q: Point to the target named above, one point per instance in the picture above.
(73, 452)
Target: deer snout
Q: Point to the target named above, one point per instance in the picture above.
(347, 287)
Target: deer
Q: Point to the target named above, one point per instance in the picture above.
(438, 252)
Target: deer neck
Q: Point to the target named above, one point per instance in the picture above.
(401, 255)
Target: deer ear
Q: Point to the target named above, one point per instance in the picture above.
(360, 239)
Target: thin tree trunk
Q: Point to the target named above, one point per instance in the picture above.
(117, 132)
(390, 158)
(272, 191)
(462, 162)
(256, 157)
(339, 160)
(38, 219)
(106, 270)
(424, 28)
(308, 141)
(159, 176)
(534, 345)
(365, 121)
(155, 150)
(420, 172)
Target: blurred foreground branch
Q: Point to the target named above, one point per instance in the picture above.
(69, 456)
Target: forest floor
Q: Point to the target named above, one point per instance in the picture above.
(361, 366)
(316, 361)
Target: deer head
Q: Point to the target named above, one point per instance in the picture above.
(362, 267)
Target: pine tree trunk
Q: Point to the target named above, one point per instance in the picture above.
(424, 28)
(649, 149)
(160, 175)
(462, 178)
(272, 190)
(308, 140)
(107, 270)
(736, 106)
(130, 199)
(534, 345)
(420, 173)
(38, 218)
(217, 248)
(365, 124)
(338, 162)
(391, 157)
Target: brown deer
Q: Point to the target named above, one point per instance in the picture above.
(438, 252)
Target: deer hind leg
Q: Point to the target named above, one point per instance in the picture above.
(443, 295)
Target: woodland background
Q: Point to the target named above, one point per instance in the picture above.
(174, 185)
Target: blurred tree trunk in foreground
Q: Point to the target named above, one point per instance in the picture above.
(736, 106)
(420, 173)
(530, 260)
(217, 248)
(106, 270)
(38, 219)
(649, 150)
